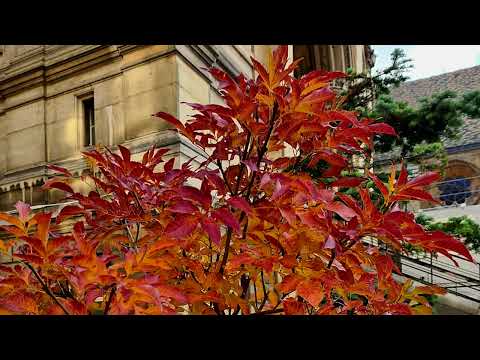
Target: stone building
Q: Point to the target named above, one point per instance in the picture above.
(461, 183)
(57, 100)
(459, 192)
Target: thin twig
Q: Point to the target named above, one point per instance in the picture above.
(138, 201)
(266, 312)
(227, 248)
(255, 292)
(110, 298)
(211, 253)
(45, 287)
(331, 259)
(264, 301)
(219, 164)
(249, 188)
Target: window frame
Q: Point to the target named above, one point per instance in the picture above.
(83, 141)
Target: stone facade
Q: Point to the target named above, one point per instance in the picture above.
(42, 89)
(463, 151)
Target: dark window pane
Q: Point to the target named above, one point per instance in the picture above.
(89, 121)
(455, 190)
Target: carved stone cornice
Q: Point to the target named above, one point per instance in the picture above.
(205, 56)
(52, 63)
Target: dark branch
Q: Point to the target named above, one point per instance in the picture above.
(45, 287)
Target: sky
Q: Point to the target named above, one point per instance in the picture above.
(431, 60)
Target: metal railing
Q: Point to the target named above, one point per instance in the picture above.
(429, 269)
(473, 193)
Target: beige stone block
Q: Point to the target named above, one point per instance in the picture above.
(62, 139)
(84, 78)
(237, 58)
(60, 108)
(3, 125)
(246, 50)
(26, 147)
(25, 116)
(108, 92)
(185, 112)
(192, 82)
(3, 154)
(151, 75)
(261, 52)
(215, 97)
(139, 109)
(24, 96)
(110, 123)
(143, 53)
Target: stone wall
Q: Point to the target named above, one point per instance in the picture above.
(42, 86)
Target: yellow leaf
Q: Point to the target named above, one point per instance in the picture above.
(265, 99)
(391, 180)
(313, 87)
(422, 310)
(273, 298)
(4, 311)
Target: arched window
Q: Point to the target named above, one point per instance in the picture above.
(455, 190)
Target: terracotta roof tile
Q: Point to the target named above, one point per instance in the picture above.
(460, 81)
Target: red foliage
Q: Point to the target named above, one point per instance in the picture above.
(243, 232)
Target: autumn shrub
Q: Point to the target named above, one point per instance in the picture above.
(243, 230)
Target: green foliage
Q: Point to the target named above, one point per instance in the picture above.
(433, 300)
(430, 157)
(435, 117)
(462, 227)
(362, 89)
(471, 104)
(438, 116)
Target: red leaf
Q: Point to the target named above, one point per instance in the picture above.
(11, 220)
(252, 165)
(341, 209)
(412, 194)
(34, 259)
(380, 185)
(181, 227)
(43, 226)
(60, 170)
(171, 119)
(289, 261)
(55, 184)
(331, 158)
(183, 207)
(289, 283)
(212, 229)
(347, 182)
(330, 243)
(19, 302)
(424, 179)
(226, 217)
(240, 203)
(171, 292)
(23, 210)
(36, 244)
(293, 307)
(403, 177)
(74, 307)
(382, 128)
(194, 194)
(68, 211)
(288, 214)
(262, 72)
(169, 165)
(125, 153)
(311, 291)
